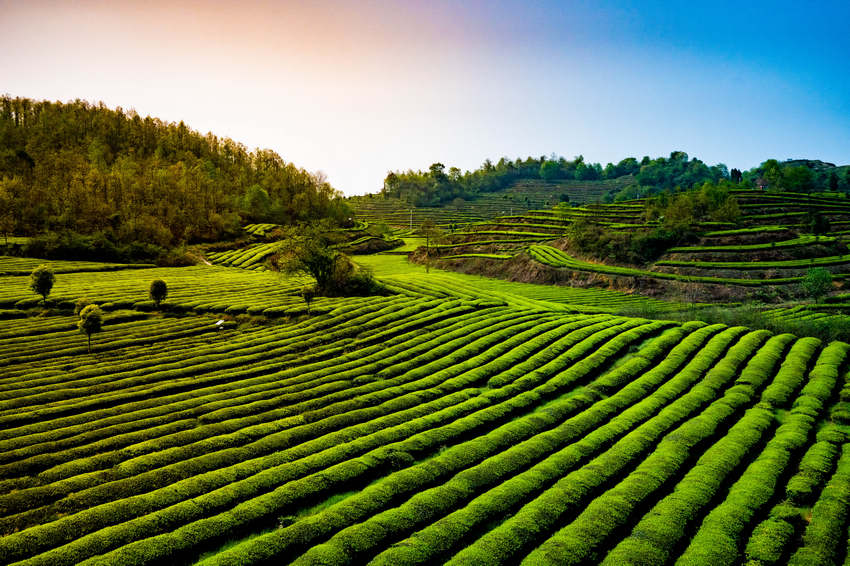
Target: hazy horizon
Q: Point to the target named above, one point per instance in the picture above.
(356, 89)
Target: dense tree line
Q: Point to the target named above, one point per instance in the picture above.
(82, 168)
(646, 177)
(799, 176)
(436, 186)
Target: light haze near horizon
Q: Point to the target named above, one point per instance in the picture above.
(358, 88)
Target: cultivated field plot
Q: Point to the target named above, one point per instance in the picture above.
(201, 289)
(24, 265)
(420, 430)
(557, 258)
(404, 277)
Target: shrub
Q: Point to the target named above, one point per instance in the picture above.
(158, 291)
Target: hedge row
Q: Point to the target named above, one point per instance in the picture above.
(718, 540)
(71, 399)
(356, 540)
(633, 381)
(271, 386)
(581, 540)
(656, 535)
(234, 424)
(825, 538)
(70, 528)
(556, 258)
(165, 451)
(645, 423)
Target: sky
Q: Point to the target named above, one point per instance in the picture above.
(358, 88)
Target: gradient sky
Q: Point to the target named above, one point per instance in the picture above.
(357, 88)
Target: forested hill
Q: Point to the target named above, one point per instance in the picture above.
(84, 168)
(637, 178)
(436, 186)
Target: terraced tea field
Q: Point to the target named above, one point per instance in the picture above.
(459, 421)
(518, 198)
(769, 246)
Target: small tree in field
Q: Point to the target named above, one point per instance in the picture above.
(817, 283)
(41, 280)
(91, 321)
(308, 293)
(158, 291)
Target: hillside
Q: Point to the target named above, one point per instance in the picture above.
(769, 244)
(134, 186)
(512, 187)
(460, 421)
(520, 196)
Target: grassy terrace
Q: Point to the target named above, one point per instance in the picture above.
(556, 258)
(23, 266)
(752, 265)
(200, 288)
(804, 240)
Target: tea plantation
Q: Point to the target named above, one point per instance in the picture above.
(459, 420)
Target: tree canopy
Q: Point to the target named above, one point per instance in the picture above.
(797, 175)
(41, 280)
(89, 169)
(158, 291)
(435, 186)
(817, 283)
(310, 251)
(91, 321)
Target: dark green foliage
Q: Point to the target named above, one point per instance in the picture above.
(799, 175)
(158, 291)
(833, 181)
(678, 171)
(435, 186)
(817, 283)
(634, 247)
(815, 223)
(311, 253)
(140, 180)
(679, 211)
(550, 171)
(308, 293)
(41, 280)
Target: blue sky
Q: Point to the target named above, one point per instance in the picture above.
(356, 89)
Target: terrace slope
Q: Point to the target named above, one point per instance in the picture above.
(771, 245)
(519, 197)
